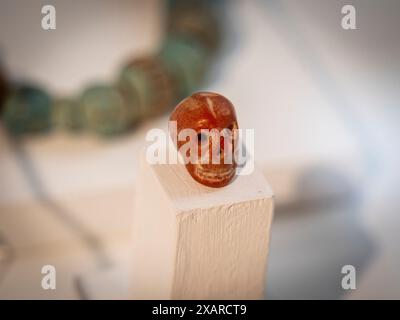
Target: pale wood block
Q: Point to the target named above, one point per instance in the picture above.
(195, 242)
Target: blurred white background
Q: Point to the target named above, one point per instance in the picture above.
(323, 102)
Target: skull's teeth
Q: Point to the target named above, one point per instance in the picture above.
(216, 175)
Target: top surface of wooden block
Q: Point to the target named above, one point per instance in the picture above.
(187, 194)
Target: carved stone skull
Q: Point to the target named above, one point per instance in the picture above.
(202, 112)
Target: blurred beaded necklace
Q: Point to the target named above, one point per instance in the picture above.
(145, 87)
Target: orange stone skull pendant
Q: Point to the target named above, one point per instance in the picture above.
(205, 112)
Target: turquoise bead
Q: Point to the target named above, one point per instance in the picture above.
(67, 113)
(106, 110)
(148, 86)
(187, 61)
(136, 88)
(27, 110)
(195, 20)
(4, 90)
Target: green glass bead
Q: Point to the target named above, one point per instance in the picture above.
(187, 62)
(148, 86)
(136, 88)
(4, 90)
(27, 110)
(172, 4)
(68, 114)
(106, 111)
(195, 20)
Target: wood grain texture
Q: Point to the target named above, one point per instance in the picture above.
(195, 242)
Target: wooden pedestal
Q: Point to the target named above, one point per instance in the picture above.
(195, 242)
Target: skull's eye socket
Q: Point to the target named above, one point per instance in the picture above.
(201, 138)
